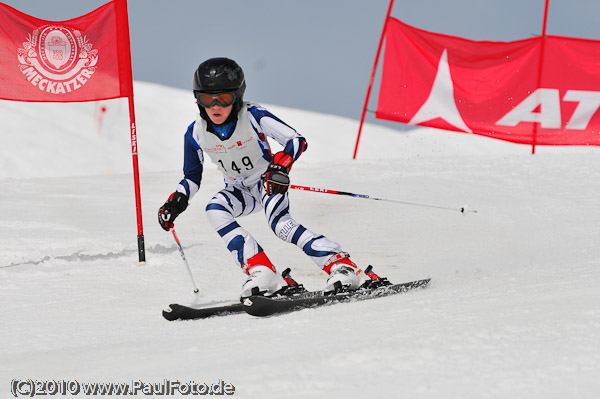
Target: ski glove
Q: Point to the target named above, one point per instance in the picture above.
(176, 204)
(276, 178)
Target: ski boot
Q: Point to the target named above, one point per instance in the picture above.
(263, 278)
(344, 275)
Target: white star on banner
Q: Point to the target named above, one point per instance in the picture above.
(441, 102)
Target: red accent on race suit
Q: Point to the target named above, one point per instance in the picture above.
(260, 259)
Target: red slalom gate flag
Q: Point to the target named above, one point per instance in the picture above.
(82, 59)
(539, 91)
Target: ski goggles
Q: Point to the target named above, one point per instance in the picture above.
(209, 100)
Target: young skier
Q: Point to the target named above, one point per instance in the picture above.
(234, 133)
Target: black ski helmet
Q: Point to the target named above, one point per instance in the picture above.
(219, 75)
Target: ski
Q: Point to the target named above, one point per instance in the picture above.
(176, 311)
(267, 306)
(294, 297)
(181, 312)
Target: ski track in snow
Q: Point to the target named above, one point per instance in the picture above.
(512, 311)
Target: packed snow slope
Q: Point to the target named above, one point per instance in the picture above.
(513, 310)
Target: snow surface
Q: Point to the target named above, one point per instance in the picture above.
(513, 310)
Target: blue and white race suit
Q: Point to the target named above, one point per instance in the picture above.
(242, 153)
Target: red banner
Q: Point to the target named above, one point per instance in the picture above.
(82, 59)
(538, 91)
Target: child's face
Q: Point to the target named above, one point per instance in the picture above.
(218, 114)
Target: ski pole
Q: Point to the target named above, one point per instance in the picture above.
(463, 209)
(185, 260)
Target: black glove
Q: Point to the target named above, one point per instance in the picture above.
(176, 204)
(277, 179)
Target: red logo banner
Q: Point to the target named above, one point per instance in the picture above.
(82, 59)
(538, 91)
